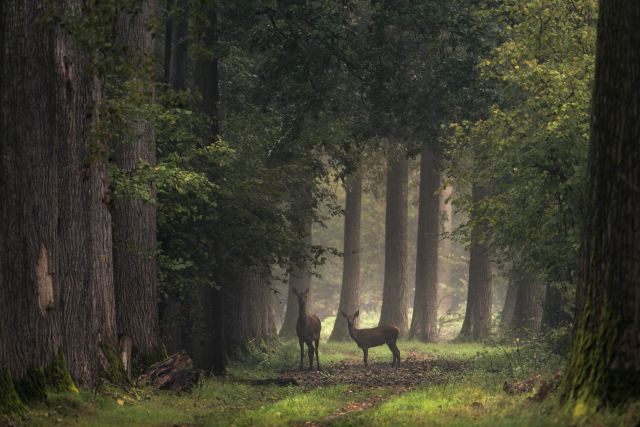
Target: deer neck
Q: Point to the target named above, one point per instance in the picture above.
(302, 312)
(353, 332)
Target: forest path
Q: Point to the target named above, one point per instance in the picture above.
(379, 380)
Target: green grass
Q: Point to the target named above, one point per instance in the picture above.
(472, 397)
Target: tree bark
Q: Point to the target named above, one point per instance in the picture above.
(56, 277)
(527, 316)
(424, 323)
(604, 364)
(133, 219)
(477, 319)
(350, 292)
(252, 319)
(445, 248)
(177, 61)
(509, 307)
(394, 294)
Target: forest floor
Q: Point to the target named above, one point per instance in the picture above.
(437, 384)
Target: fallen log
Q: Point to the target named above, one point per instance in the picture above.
(175, 373)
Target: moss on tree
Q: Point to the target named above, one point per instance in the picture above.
(10, 402)
(33, 387)
(58, 376)
(114, 372)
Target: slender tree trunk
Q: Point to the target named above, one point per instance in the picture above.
(604, 365)
(350, 293)
(56, 277)
(394, 295)
(210, 352)
(133, 219)
(477, 319)
(445, 248)
(527, 317)
(424, 323)
(299, 278)
(168, 39)
(173, 313)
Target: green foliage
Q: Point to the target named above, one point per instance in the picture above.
(530, 150)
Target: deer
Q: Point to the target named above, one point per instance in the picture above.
(308, 330)
(373, 337)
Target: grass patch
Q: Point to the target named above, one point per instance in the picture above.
(473, 395)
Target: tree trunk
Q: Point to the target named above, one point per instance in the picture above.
(252, 319)
(604, 365)
(350, 293)
(445, 248)
(299, 278)
(509, 307)
(135, 271)
(424, 323)
(527, 316)
(177, 60)
(56, 283)
(394, 294)
(477, 318)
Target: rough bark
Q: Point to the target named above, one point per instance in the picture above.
(177, 61)
(509, 307)
(252, 319)
(527, 316)
(56, 277)
(350, 291)
(209, 342)
(445, 248)
(175, 373)
(134, 219)
(477, 319)
(604, 365)
(424, 323)
(394, 294)
(299, 278)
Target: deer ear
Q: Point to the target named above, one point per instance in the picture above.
(356, 314)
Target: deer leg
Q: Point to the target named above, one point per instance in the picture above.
(317, 355)
(301, 354)
(365, 354)
(396, 354)
(311, 350)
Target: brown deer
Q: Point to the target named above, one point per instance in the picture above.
(308, 329)
(373, 337)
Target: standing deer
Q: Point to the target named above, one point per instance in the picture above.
(308, 329)
(373, 337)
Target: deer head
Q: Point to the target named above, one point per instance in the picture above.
(351, 319)
(302, 296)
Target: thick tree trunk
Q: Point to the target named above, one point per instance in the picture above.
(252, 319)
(133, 219)
(604, 365)
(56, 277)
(527, 316)
(424, 323)
(350, 292)
(299, 278)
(477, 318)
(177, 61)
(394, 294)
(509, 307)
